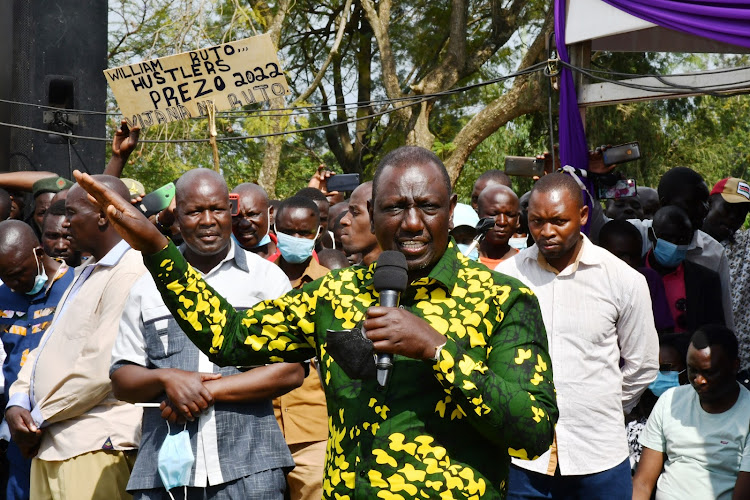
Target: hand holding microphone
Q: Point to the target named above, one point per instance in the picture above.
(394, 330)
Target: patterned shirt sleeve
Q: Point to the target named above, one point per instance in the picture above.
(273, 330)
(509, 395)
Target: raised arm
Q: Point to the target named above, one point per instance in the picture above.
(123, 143)
(23, 180)
(272, 331)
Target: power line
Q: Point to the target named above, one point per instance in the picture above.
(410, 101)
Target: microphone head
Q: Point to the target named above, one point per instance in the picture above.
(390, 272)
(485, 225)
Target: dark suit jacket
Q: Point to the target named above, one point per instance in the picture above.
(703, 295)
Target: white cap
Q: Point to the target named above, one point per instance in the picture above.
(464, 215)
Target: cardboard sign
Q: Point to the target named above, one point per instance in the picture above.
(181, 86)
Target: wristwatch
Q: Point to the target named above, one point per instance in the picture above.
(438, 348)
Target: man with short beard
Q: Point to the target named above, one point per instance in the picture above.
(239, 451)
(604, 347)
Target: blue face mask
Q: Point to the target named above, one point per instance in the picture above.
(295, 250)
(265, 240)
(41, 278)
(518, 243)
(176, 459)
(474, 255)
(668, 254)
(664, 381)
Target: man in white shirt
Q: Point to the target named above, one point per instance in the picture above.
(238, 448)
(697, 439)
(603, 345)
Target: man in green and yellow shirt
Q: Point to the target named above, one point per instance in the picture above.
(472, 379)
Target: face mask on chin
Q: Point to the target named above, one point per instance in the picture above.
(518, 243)
(295, 250)
(41, 278)
(463, 248)
(265, 240)
(664, 381)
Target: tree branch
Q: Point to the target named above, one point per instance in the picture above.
(379, 22)
(525, 96)
(334, 51)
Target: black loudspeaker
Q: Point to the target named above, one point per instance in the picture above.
(59, 50)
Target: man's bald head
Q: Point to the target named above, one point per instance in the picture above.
(408, 156)
(495, 192)
(16, 237)
(112, 182)
(251, 189)
(20, 255)
(192, 179)
(487, 179)
(559, 182)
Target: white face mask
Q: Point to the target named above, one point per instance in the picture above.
(518, 243)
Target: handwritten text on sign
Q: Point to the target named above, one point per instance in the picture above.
(180, 86)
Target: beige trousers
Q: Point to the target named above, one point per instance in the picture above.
(97, 475)
(305, 482)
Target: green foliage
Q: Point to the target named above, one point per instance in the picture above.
(708, 133)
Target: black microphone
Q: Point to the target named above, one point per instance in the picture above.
(483, 227)
(389, 279)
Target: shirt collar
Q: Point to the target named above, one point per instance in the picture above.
(587, 256)
(235, 254)
(114, 255)
(443, 272)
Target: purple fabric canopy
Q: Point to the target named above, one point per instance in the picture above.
(726, 21)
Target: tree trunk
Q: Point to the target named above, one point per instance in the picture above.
(269, 170)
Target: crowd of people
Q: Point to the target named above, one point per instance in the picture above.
(229, 347)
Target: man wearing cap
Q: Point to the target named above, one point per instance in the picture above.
(43, 191)
(729, 203)
(135, 188)
(463, 229)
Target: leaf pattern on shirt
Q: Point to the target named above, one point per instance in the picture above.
(441, 429)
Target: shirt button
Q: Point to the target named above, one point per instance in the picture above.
(362, 473)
